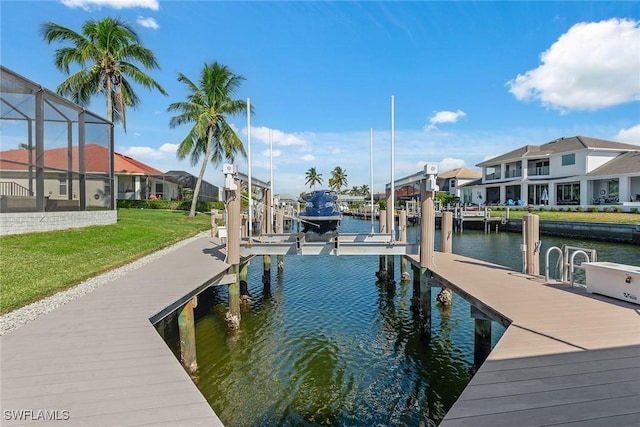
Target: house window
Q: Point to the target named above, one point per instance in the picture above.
(569, 159)
(568, 194)
(107, 187)
(62, 185)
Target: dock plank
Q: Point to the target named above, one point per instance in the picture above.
(567, 357)
(100, 358)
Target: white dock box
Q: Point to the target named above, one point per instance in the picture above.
(620, 281)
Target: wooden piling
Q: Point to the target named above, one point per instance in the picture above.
(427, 227)
(279, 221)
(233, 255)
(481, 341)
(421, 300)
(266, 271)
(187, 330)
(447, 232)
(531, 237)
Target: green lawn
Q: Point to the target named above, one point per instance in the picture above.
(36, 265)
(619, 217)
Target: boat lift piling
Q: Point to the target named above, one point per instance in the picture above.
(234, 227)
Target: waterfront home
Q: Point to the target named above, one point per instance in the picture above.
(573, 171)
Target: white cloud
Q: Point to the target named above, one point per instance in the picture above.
(164, 151)
(308, 158)
(261, 133)
(593, 65)
(449, 163)
(115, 4)
(147, 22)
(630, 136)
(444, 117)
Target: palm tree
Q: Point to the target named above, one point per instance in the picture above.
(207, 106)
(355, 191)
(313, 178)
(364, 190)
(105, 51)
(339, 178)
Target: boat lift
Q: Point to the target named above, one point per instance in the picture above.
(326, 244)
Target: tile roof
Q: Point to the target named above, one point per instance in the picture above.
(96, 160)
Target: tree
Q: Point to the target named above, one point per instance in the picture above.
(338, 178)
(364, 190)
(313, 178)
(105, 51)
(207, 106)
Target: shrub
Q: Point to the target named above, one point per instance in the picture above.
(579, 209)
(174, 205)
(593, 209)
(617, 209)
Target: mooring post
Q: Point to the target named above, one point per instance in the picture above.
(421, 300)
(187, 330)
(427, 226)
(391, 268)
(531, 237)
(233, 254)
(244, 233)
(266, 271)
(279, 221)
(214, 222)
(482, 338)
(447, 232)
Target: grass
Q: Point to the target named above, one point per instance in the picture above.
(36, 265)
(616, 217)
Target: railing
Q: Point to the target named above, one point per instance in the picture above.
(8, 188)
(565, 264)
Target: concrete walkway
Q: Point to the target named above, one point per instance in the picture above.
(98, 361)
(567, 358)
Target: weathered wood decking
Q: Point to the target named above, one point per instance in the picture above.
(567, 358)
(98, 361)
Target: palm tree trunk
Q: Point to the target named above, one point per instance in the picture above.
(109, 88)
(203, 168)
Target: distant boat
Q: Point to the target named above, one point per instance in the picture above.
(320, 214)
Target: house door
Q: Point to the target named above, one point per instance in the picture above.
(538, 194)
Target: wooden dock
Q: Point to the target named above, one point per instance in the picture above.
(567, 358)
(98, 361)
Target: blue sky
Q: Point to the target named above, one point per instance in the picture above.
(470, 80)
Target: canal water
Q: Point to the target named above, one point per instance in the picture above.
(325, 344)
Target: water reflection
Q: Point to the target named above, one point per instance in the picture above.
(325, 344)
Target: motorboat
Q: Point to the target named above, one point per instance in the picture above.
(320, 213)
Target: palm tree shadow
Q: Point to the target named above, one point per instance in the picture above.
(219, 251)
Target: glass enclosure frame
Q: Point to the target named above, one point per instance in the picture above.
(55, 155)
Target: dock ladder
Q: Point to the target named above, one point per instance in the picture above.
(565, 264)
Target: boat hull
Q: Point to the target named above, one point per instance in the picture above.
(320, 224)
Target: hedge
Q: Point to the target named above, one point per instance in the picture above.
(174, 205)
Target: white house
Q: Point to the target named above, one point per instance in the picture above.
(567, 171)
